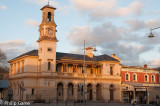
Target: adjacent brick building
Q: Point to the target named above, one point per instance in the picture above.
(139, 83)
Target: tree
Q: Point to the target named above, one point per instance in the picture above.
(3, 62)
(3, 58)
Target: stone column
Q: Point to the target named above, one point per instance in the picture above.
(62, 68)
(72, 69)
(65, 93)
(94, 93)
(75, 92)
(76, 68)
(67, 68)
(85, 69)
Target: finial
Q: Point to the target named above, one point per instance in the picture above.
(48, 2)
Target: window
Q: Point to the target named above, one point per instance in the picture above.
(82, 71)
(127, 77)
(91, 71)
(1, 77)
(49, 16)
(153, 79)
(146, 78)
(74, 69)
(49, 65)
(134, 77)
(111, 70)
(40, 50)
(49, 49)
(32, 91)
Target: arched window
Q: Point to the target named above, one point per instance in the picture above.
(111, 70)
(146, 78)
(49, 65)
(153, 78)
(49, 16)
(134, 77)
(127, 77)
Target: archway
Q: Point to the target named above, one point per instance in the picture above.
(111, 92)
(70, 92)
(89, 92)
(80, 92)
(99, 92)
(60, 91)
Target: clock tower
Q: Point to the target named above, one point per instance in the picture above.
(47, 40)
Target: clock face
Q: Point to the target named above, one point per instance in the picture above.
(50, 32)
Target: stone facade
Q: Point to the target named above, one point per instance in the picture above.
(45, 74)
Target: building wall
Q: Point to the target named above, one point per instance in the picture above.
(140, 75)
(45, 84)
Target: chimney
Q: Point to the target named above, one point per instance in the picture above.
(114, 56)
(145, 65)
(89, 52)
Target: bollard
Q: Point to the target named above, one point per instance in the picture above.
(57, 101)
(66, 102)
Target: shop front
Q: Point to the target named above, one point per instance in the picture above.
(140, 93)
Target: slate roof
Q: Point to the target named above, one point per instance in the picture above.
(60, 55)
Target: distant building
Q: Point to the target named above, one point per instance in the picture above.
(45, 74)
(4, 74)
(139, 83)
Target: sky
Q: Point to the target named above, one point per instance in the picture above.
(118, 27)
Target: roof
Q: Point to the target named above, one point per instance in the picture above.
(137, 67)
(60, 55)
(48, 6)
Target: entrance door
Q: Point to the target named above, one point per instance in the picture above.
(111, 94)
(89, 90)
(60, 91)
(90, 94)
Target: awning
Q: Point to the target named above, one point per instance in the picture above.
(142, 84)
(4, 83)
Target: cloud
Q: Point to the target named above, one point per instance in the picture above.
(155, 62)
(106, 8)
(63, 8)
(2, 7)
(41, 2)
(124, 41)
(13, 48)
(32, 23)
(11, 43)
(136, 25)
(103, 33)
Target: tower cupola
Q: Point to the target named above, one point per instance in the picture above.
(47, 28)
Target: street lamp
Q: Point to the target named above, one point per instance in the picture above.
(151, 34)
(94, 49)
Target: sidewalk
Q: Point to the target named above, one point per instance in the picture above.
(89, 104)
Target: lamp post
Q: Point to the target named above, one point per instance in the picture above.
(151, 34)
(84, 76)
(94, 49)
